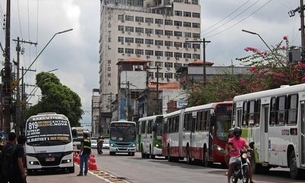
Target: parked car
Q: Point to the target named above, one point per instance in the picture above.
(106, 144)
(93, 143)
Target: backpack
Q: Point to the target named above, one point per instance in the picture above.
(6, 161)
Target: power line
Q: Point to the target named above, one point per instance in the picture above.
(241, 20)
(232, 18)
(225, 17)
(19, 19)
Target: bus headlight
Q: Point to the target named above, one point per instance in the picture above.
(219, 149)
(157, 145)
(33, 162)
(111, 145)
(132, 145)
(66, 161)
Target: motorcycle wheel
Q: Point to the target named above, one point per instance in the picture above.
(245, 175)
(234, 179)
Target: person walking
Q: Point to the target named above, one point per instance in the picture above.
(19, 170)
(85, 152)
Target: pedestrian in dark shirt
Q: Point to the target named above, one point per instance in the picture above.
(85, 152)
(19, 162)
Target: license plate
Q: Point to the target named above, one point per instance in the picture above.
(48, 159)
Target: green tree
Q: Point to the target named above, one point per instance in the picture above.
(56, 97)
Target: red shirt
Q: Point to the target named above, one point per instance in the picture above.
(238, 144)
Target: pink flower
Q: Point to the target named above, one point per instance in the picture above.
(242, 81)
(278, 74)
(253, 69)
(285, 38)
(283, 47)
(303, 79)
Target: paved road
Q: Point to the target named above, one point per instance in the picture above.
(138, 170)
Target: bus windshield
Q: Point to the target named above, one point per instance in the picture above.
(48, 132)
(158, 133)
(123, 133)
(223, 124)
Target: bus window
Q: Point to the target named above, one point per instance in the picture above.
(245, 114)
(281, 120)
(292, 109)
(273, 111)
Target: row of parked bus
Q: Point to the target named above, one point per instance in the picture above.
(274, 120)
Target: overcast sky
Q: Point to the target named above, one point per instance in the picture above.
(75, 54)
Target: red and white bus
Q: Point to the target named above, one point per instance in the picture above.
(197, 133)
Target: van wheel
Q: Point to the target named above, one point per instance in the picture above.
(294, 171)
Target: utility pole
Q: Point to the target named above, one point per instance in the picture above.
(204, 57)
(16, 84)
(128, 101)
(302, 28)
(158, 110)
(6, 77)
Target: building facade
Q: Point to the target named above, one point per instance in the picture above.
(156, 31)
(95, 113)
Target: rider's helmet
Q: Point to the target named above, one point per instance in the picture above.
(230, 134)
(237, 132)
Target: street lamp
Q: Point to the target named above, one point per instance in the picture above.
(61, 32)
(254, 33)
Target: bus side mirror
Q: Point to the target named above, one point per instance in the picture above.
(213, 120)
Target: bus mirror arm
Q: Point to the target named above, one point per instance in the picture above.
(251, 145)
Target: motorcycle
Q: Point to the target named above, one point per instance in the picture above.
(241, 169)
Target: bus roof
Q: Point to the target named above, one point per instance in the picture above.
(47, 114)
(122, 121)
(206, 106)
(150, 117)
(270, 93)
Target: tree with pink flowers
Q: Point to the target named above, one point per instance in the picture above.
(271, 69)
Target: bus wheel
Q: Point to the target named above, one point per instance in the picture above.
(294, 171)
(169, 158)
(132, 154)
(206, 161)
(142, 152)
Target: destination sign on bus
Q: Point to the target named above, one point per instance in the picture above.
(224, 108)
(122, 124)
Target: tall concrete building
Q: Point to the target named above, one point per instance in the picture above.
(155, 31)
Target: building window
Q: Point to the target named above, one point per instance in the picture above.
(168, 64)
(168, 43)
(168, 54)
(177, 65)
(148, 31)
(188, 34)
(187, 55)
(120, 28)
(149, 41)
(196, 15)
(169, 75)
(121, 17)
(159, 32)
(196, 25)
(196, 56)
(158, 21)
(129, 29)
(187, 45)
(178, 44)
(187, 24)
(149, 20)
(139, 30)
(139, 19)
(150, 63)
(178, 33)
(178, 13)
(129, 18)
(159, 42)
(139, 41)
(178, 55)
(168, 22)
(187, 14)
(149, 52)
(120, 50)
(178, 23)
(196, 35)
(129, 39)
(159, 53)
(160, 75)
(196, 46)
(120, 39)
(129, 50)
(139, 51)
(168, 33)
(195, 2)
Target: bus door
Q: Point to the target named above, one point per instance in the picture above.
(211, 133)
(264, 137)
(303, 133)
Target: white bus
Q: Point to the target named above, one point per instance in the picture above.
(275, 121)
(150, 136)
(49, 143)
(198, 133)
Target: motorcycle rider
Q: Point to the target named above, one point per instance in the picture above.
(236, 144)
(100, 142)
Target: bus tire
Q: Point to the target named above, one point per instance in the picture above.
(188, 156)
(295, 173)
(142, 152)
(169, 158)
(152, 156)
